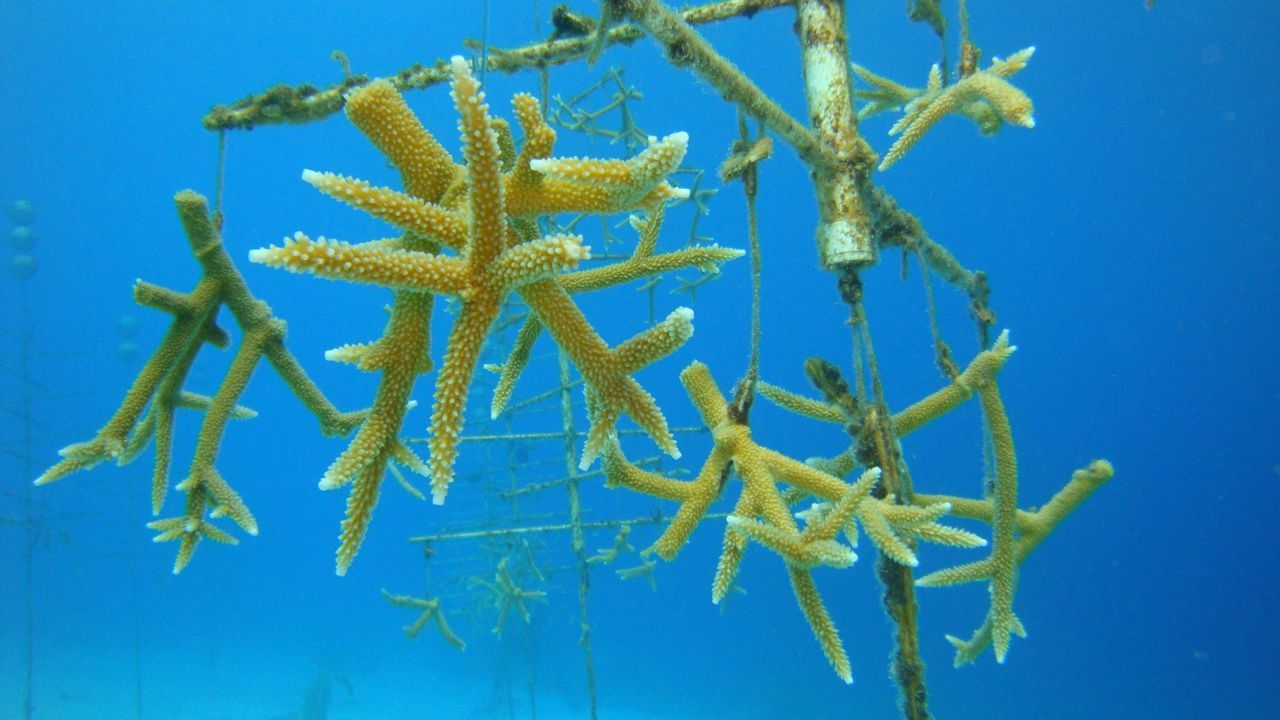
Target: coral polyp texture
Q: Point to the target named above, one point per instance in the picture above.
(483, 210)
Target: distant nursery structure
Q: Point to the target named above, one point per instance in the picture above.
(483, 232)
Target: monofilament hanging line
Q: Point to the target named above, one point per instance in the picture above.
(219, 179)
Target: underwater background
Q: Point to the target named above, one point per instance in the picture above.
(1132, 239)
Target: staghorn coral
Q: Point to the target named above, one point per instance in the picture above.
(506, 593)
(482, 210)
(468, 231)
(621, 545)
(762, 514)
(430, 608)
(986, 97)
(148, 410)
(1031, 528)
(642, 263)
(1015, 533)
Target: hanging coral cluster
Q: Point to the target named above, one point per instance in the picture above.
(484, 211)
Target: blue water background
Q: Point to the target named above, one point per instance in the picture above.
(1131, 240)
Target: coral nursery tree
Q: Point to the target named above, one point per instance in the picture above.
(473, 228)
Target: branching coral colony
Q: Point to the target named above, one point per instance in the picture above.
(470, 231)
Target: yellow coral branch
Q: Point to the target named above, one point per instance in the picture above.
(985, 96)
